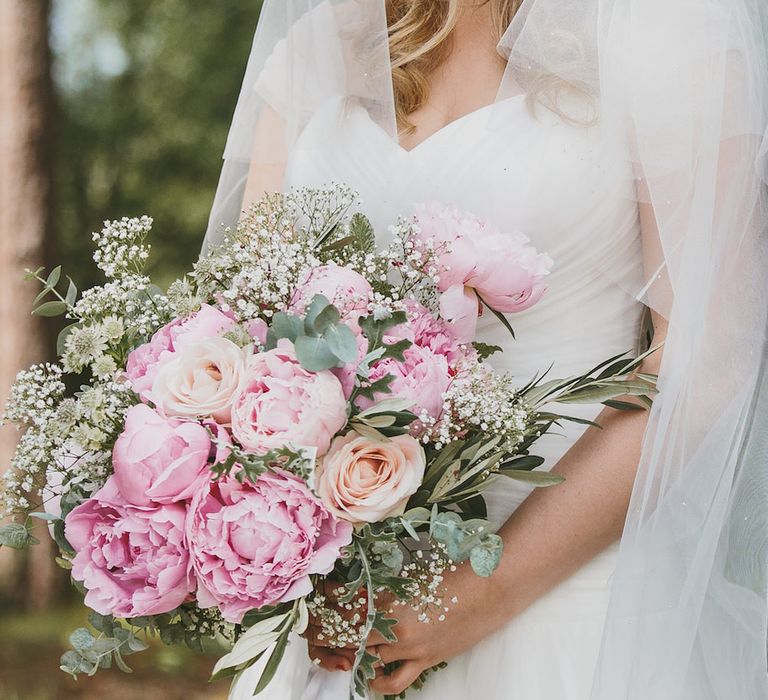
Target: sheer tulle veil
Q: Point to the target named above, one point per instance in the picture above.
(683, 87)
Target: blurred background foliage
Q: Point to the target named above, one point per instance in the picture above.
(143, 92)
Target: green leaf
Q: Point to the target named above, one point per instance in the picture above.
(273, 662)
(533, 478)
(120, 662)
(484, 350)
(73, 663)
(50, 308)
(526, 462)
(71, 296)
(44, 516)
(15, 536)
(504, 321)
(342, 343)
(81, 639)
(623, 405)
(361, 231)
(318, 304)
(314, 354)
(53, 278)
(327, 318)
(287, 326)
(485, 557)
(62, 337)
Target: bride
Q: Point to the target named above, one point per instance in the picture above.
(624, 138)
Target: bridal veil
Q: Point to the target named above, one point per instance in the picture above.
(683, 87)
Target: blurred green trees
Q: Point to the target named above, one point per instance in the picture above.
(145, 95)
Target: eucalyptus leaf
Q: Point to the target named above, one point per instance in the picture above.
(314, 309)
(54, 277)
(15, 535)
(81, 639)
(342, 343)
(314, 354)
(326, 319)
(286, 325)
(485, 556)
(50, 309)
(71, 296)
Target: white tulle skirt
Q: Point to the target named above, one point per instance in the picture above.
(549, 652)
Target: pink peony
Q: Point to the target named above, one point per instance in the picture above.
(132, 561)
(364, 480)
(208, 322)
(422, 378)
(144, 362)
(158, 460)
(427, 331)
(256, 544)
(475, 259)
(347, 290)
(280, 403)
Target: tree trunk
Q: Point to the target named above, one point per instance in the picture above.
(25, 222)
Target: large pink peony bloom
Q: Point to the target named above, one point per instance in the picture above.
(144, 362)
(347, 290)
(476, 258)
(280, 402)
(256, 544)
(132, 561)
(158, 460)
(422, 378)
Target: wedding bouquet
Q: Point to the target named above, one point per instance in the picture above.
(301, 414)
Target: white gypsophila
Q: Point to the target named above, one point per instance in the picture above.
(257, 269)
(479, 399)
(32, 406)
(426, 571)
(130, 299)
(414, 259)
(35, 395)
(120, 246)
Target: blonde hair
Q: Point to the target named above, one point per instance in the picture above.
(420, 39)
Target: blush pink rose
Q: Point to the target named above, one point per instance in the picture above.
(256, 544)
(478, 260)
(365, 481)
(347, 290)
(132, 561)
(423, 378)
(157, 459)
(144, 362)
(280, 403)
(200, 380)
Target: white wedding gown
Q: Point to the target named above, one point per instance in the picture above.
(562, 186)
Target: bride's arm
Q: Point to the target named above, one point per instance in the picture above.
(267, 168)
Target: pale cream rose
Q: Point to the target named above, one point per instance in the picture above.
(364, 480)
(201, 380)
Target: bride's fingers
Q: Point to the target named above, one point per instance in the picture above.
(329, 660)
(398, 680)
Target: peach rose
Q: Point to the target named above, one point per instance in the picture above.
(201, 380)
(362, 480)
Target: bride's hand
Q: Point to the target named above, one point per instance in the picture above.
(421, 645)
